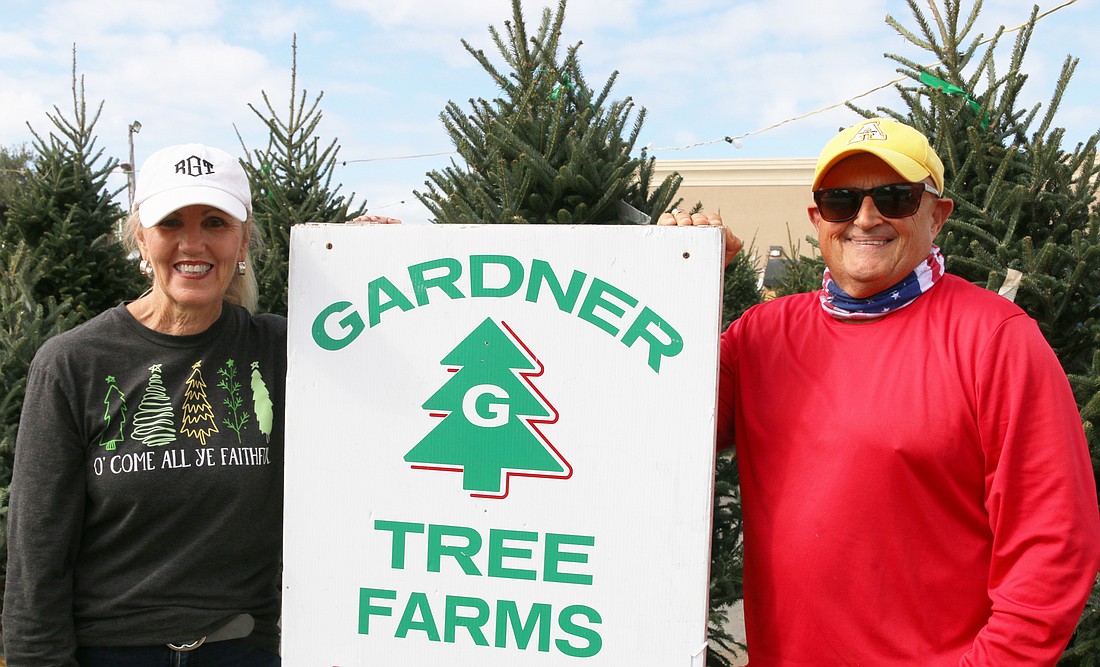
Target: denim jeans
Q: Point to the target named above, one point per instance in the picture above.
(229, 653)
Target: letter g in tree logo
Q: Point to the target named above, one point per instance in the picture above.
(490, 414)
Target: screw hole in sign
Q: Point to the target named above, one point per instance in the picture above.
(687, 255)
(328, 246)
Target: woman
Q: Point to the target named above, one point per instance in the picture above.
(145, 522)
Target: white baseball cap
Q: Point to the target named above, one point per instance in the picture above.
(189, 174)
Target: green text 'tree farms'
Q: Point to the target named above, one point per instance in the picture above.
(510, 554)
(596, 301)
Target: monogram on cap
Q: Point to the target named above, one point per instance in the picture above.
(194, 166)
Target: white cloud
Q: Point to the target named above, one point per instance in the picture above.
(279, 23)
(64, 18)
(702, 68)
(17, 46)
(189, 88)
(31, 106)
(456, 15)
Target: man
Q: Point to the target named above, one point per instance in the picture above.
(915, 481)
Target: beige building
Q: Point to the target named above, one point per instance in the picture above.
(764, 200)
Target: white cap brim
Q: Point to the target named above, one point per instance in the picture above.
(159, 206)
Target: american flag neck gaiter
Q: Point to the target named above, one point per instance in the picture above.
(842, 306)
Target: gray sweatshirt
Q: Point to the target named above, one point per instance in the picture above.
(146, 499)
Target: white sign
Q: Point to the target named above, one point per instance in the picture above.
(500, 445)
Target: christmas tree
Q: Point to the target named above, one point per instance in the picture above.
(1024, 203)
(67, 214)
(15, 169)
(291, 183)
(548, 149)
(24, 325)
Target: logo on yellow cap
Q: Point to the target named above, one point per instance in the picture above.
(869, 132)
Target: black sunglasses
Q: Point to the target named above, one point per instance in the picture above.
(895, 200)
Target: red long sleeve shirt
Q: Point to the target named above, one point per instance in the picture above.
(916, 490)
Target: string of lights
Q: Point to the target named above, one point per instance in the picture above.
(736, 140)
(345, 163)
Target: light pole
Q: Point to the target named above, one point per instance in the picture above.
(131, 182)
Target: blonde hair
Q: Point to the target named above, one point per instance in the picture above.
(243, 290)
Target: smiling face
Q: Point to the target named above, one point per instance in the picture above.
(194, 253)
(871, 253)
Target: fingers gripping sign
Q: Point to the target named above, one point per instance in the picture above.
(374, 220)
(684, 219)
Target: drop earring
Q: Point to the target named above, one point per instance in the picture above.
(145, 267)
(242, 268)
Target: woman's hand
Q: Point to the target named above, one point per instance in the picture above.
(374, 220)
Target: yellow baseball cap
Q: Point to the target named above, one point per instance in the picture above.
(906, 150)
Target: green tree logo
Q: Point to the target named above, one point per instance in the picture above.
(490, 413)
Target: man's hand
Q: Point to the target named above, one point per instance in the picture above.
(683, 219)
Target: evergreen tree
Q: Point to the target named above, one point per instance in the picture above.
(25, 323)
(801, 272)
(15, 165)
(1084, 648)
(549, 149)
(66, 213)
(1024, 204)
(741, 288)
(291, 184)
(59, 258)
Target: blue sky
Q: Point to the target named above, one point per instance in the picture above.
(703, 70)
